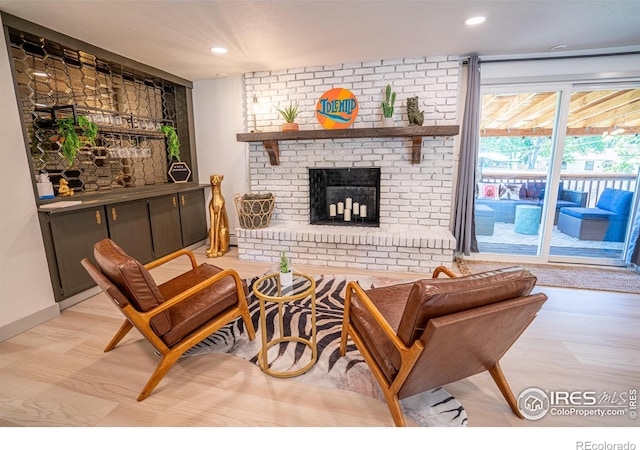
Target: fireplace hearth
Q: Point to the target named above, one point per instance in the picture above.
(345, 197)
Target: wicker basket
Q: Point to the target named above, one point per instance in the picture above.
(254, 210)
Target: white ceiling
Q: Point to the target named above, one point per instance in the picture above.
(175, 36)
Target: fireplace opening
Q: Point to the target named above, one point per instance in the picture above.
(346, 197)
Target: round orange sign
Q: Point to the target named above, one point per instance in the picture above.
(337, 108)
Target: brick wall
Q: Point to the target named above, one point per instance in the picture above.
(410, 194)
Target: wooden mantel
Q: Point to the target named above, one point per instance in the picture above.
(271, 139)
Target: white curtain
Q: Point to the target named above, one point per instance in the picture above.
(464, 220)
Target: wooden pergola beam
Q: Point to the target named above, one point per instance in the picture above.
(522, 132)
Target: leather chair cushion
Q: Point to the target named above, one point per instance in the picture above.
(133, 280)
(408, 307)
(437, 297)
(390, 302)
(201, 307)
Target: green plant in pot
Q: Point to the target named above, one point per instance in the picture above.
(173, 143)
(286, 276)
(69, 139)
(387, 107)
(289, 115)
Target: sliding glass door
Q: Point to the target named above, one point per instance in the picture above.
(514, 158)
(599, 168)
(547, 158)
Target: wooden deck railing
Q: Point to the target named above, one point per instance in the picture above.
(594, 184)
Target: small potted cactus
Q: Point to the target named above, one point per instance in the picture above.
(286, 276)
(387, 107)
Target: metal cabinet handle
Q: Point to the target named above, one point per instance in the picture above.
(98, 217)
(114, 214)
(182, 198)
(174, 201)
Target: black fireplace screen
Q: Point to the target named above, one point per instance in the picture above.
(348, 197)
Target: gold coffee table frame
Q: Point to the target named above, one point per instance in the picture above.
(281, 298)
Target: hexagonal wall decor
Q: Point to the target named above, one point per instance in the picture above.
(179, 172)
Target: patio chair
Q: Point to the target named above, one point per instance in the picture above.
(606, 222)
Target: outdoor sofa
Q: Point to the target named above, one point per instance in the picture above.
(606, 222)
(503, 198)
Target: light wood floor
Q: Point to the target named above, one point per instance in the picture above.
(57, 375)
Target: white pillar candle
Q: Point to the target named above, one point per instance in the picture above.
(332, 210)
(347, 203)
(356, 208)
(347, 215)
(340, 208)
(363, 210)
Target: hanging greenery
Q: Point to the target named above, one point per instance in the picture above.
(68, 136)
(89, 129)
(173, 143)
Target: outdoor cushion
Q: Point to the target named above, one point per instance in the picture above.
(593, 214)
(615, 200)
(536, 189)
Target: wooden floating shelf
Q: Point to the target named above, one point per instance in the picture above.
(271, 139)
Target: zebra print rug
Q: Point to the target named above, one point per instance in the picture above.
(433, 408)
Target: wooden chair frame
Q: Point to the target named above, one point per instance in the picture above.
(408, 355)
(141, 320)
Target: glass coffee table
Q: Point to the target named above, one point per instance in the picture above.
(269, 290)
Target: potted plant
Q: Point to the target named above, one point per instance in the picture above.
(179, 171)
(387, 107)
(286, 276)
(289, 115)
(68, 136)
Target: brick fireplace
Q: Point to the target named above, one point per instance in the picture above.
(344, 197)
(414, 199)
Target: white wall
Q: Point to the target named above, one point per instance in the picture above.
(218, 116)
(26, 295)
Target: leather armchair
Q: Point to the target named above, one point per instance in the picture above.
(174, 315)
(421, 335)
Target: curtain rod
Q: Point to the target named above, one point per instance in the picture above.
(547, 58)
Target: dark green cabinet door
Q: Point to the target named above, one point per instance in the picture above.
(193, 217)
(74, 235)
(164, 214)
(129, 228)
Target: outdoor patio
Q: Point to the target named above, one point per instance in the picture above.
(506, 241)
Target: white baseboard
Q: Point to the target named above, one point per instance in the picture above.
(75, 299)
(19, 326)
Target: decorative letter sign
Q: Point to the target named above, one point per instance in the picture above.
(179, 172)
(337, 108)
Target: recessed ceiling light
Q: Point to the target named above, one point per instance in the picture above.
(40, 74)
(555, 48)
(475, 20)
(218, 50)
